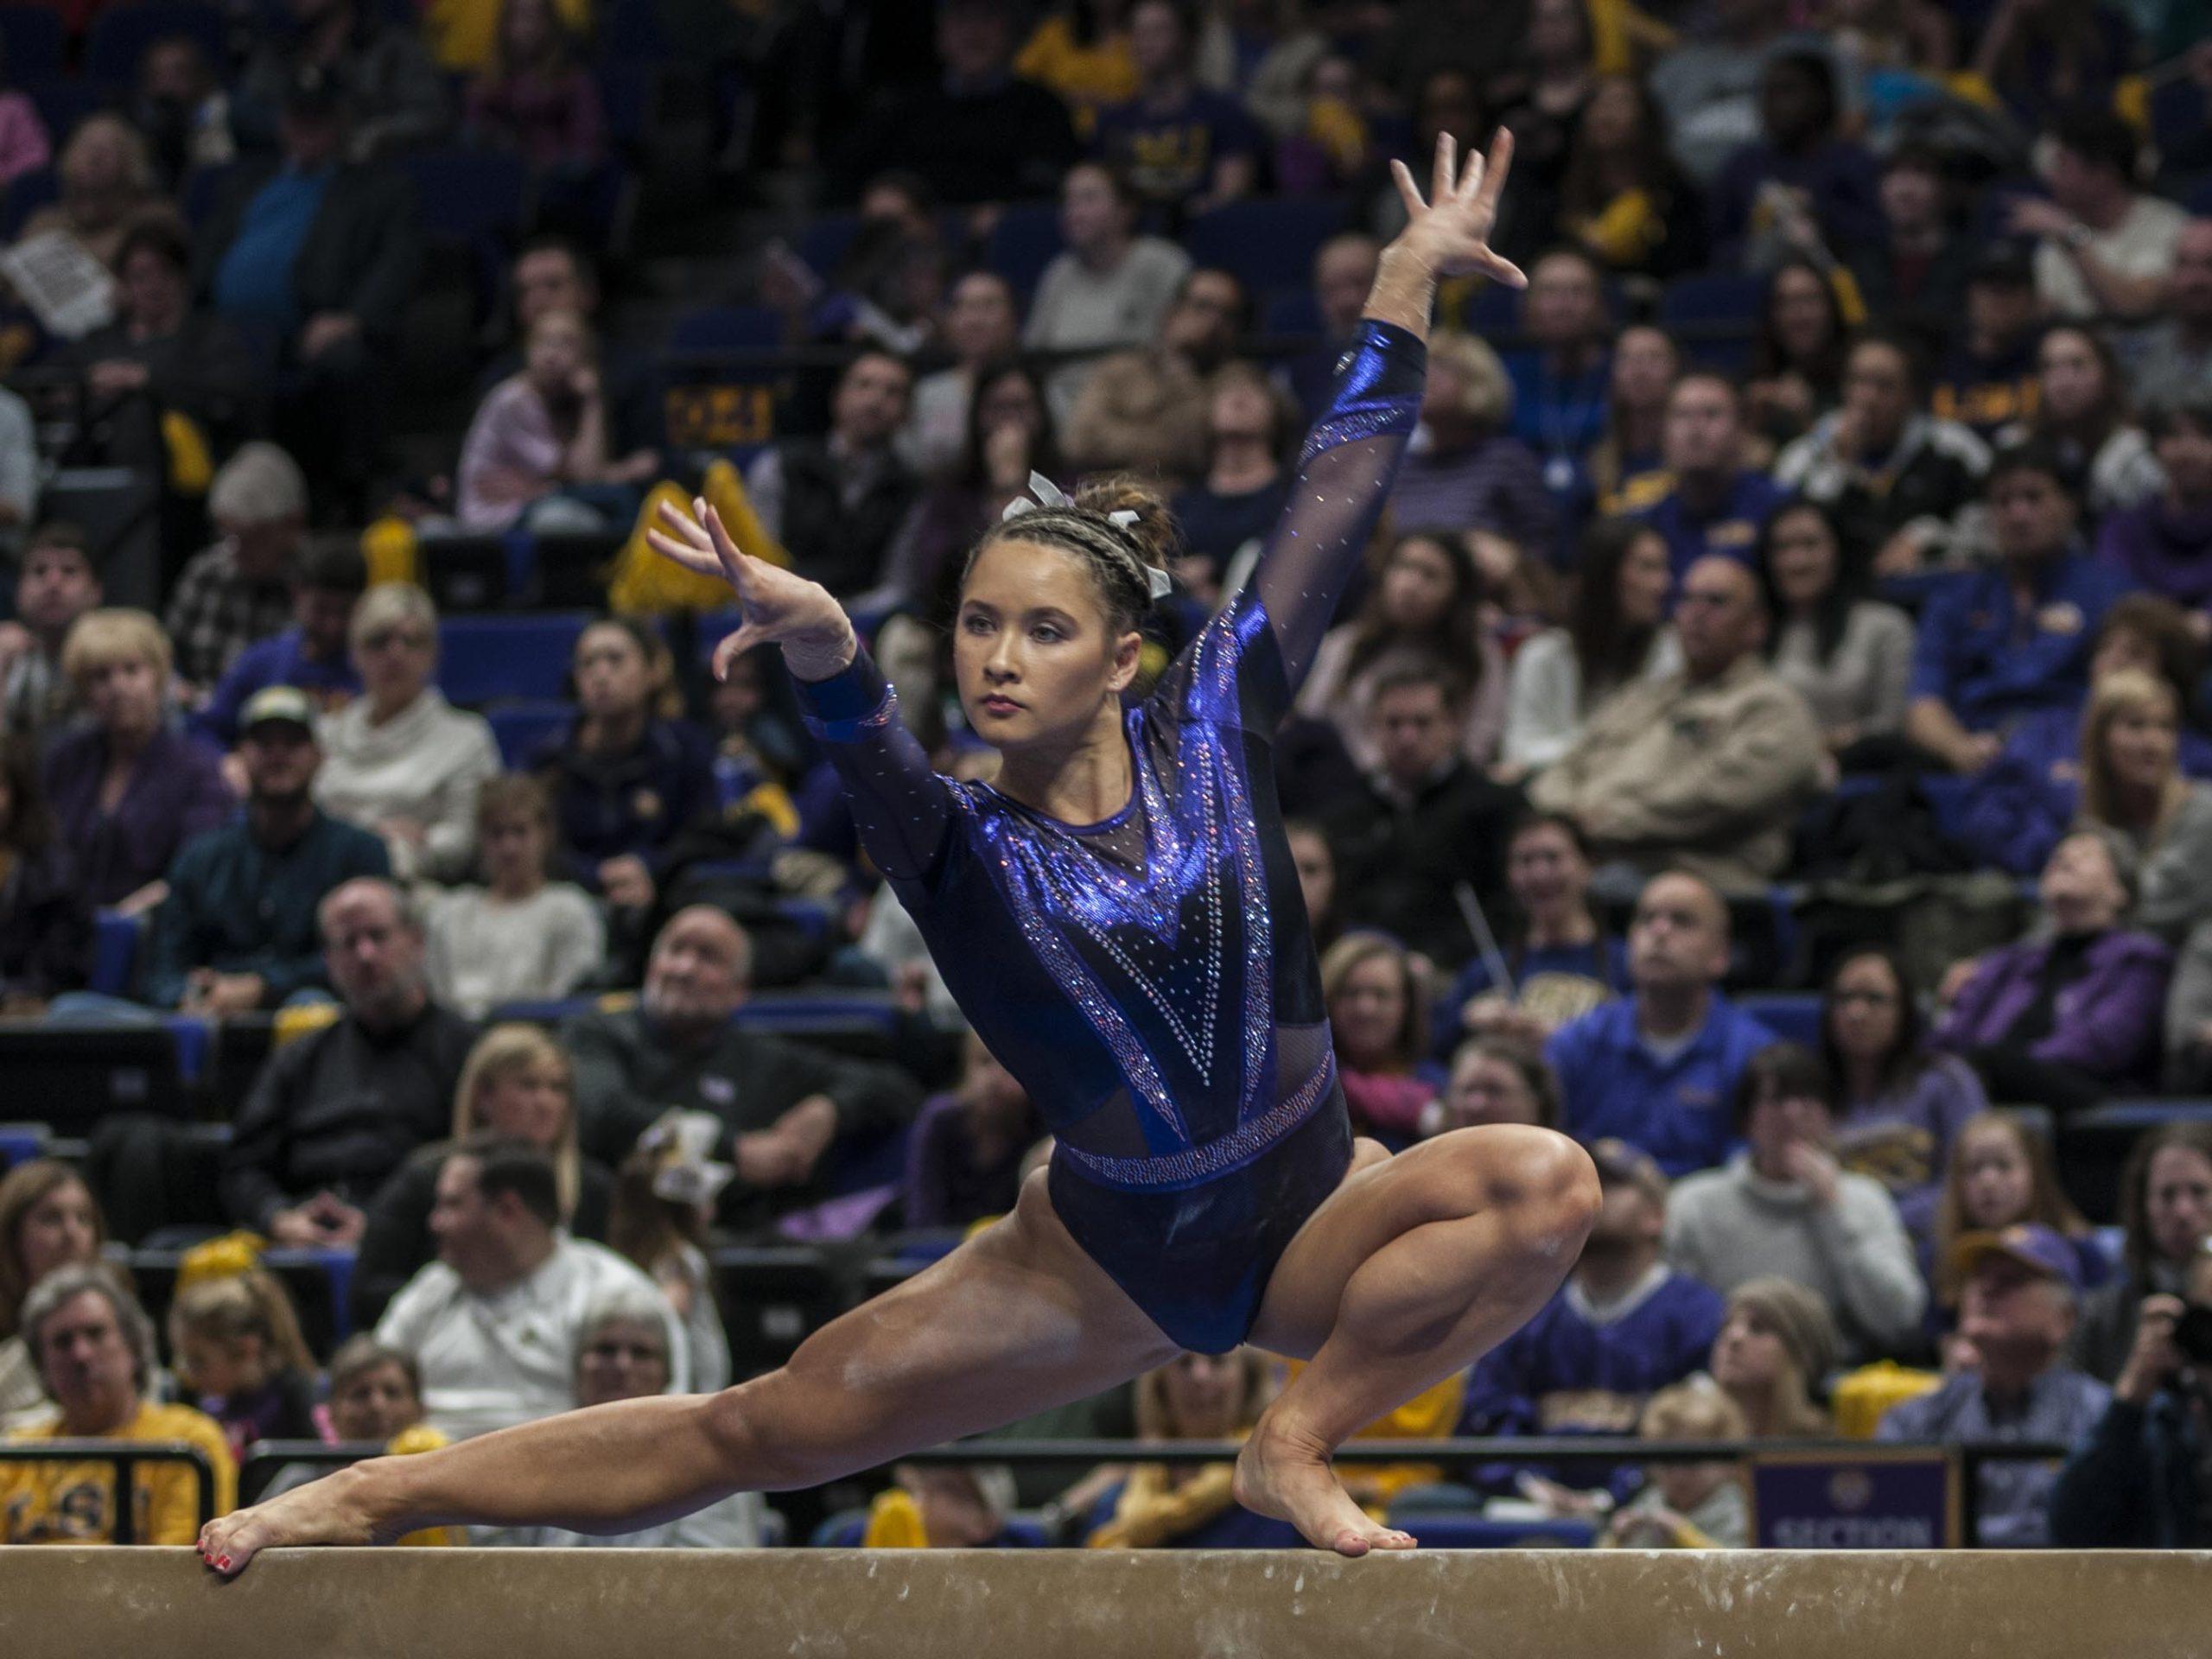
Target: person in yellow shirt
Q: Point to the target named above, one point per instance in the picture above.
(94, 1348)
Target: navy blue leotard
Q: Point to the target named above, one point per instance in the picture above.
(1151, 979)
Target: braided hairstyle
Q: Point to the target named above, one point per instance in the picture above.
(1119, 559)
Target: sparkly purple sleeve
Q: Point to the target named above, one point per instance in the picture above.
(900, 805)
(1343, 475)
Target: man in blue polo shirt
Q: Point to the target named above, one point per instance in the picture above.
(2000, 644)
(1658, 1069)
(312, 654)
(1717, 505)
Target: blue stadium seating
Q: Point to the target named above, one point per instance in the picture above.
(1712, 298)
(520, 728)
(823, 243)
(21, 1142)
(1795, 1019)
(114, 952)
(1263, 243)
(1025, 240)
(1452, 1530)
(1290, 311)
(467, 195)
(487, 659)
(119, 35)
(727, 328)
(35, 43)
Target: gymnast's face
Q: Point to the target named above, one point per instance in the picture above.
(1035, 652)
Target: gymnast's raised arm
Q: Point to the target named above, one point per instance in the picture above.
(1351, 454)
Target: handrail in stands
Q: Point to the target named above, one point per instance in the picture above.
(126, 1456)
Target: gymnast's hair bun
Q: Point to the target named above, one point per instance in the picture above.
(1154, 531)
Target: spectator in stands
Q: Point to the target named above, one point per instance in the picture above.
(1686, 1505)
(1848, 655)
(537, 453)
(1558, 387)
(786, 1106)
(1184, 146)
(535, 97)
(2081, 415)
(1797, 355)
(1251, 425)
(2165, 543)
(2166, 1214)
(240, 589)
(328, 579)
(516, 1085)
(2140, 1481)
(1344, 271)
(1916, 270)
(835, 503)
(241, 1357)
(1425, 606)
(45, 917)
(2132, 785)
(1147, 410)
(622, 1354)
(1189, 1506)
(982, 328)
(964, 1156)
(495, 1324)
(1660, 1067)
(982, 132)
(2001, 1173)
(1624, 1324)
(1621, 198)
(2042, 57)
(162, 359)
(1901, 1106)
(399, 759)
(378, 65)
(94, 1348)
(24, 146)
(1470, 473)
(320, 252)
(128, 789)
(2071, 1013)
(237, 933)
(182, 109)
(1777, 1346)
(1317, 878)
(1559, 964)
(1615, 635)
(1082, 51)
(1699, 771)
(336, 1111)
(1896, 482)
(49, 1220)
(1987, 380)
(2104, 249)
(1372, 989)
(55, 584)
(663, 1205)
(1493, 1080)
(1109, 289)
(106, 189)
(521, 937)
(1717, 505)
(1427, 823)
(1801, 184)
(2018, 1311)
(376, 1399)
(1709, 85)
(1784, 1206)
(2171, 360)
(629, 775)
(2006, 642)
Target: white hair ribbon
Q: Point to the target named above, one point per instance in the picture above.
(1043, 492)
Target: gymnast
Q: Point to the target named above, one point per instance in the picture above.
(1119, 916)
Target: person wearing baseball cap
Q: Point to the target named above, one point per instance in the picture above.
(238, 930)
(2021, 1286)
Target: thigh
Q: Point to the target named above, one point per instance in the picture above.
(1381, 1197)
(1015, 1321)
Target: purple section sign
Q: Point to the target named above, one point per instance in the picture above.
(1860, 1500)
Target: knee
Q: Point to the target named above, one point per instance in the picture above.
(1549, 1181)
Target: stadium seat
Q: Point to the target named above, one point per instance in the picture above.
(21, 1142)
(114, 952)
(1712, 299)
(2093, 1144)
(119, 35)
(1290, 312)
(1025, 240)
(33, 39)
(1795, 1019)
(70, 1077)
(467, 573)
(467, 195)
(1263, 243)
(723, 330)
(490, 659)
(772, 1298)
(520, 728)
(1470, 1531)
(823, 243)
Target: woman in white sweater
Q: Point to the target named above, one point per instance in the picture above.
(521, 937)
(1615, 634)
(399, 759)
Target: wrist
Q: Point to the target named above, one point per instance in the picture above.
(823, 658)
(1410, 256)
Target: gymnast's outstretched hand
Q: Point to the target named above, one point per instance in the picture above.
(780, 606)
(1451, 229)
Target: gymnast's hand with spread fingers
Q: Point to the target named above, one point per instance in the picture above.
(780, 606)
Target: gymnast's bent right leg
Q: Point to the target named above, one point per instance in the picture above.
(1015, 1321)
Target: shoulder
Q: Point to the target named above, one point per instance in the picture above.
(1700, 1192)
(598, 1266)
(180, 1423)
(420, 1299)
(352, 844)
(1878, 619)
(2133, 948)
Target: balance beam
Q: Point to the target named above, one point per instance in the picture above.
(566, 1603)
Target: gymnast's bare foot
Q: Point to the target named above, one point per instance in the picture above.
(1285, 1474)
(324, 1511)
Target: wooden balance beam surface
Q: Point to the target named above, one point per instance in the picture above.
(556, 1603)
